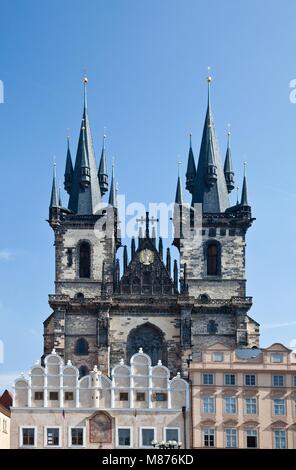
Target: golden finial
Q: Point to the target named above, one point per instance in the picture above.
(209, 77)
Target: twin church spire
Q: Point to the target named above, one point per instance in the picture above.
(209, 182)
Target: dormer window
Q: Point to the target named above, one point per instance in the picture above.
(277, 358)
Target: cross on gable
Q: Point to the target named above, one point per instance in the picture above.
(147, 220)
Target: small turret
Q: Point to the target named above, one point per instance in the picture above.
(244, 198)
(84, 169)
(191, 168)
(68, 176)
(102, 172)
(228, 171)
(168, 261)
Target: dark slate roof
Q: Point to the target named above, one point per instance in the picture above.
(213, 197)
(244, 199)
(85, 200)
(191, 169)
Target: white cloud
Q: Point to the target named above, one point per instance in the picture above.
(6, 255)
(277, 325)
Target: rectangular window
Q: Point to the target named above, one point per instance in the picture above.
(124, 437)
(140, 396)
(209, 437)
(28, 437)
(278, 381)
(52, 437)
(77, 436)
(38, 395)
(231, 437)
(251, 406)
(279, 407)
(208, 379)
(123, 396)
(278, 358)
(230, 405)
(69, 396)
(280, 439)
(229, 379)
(250, 380)
(4, 426)
(208, 404)
(218, 357)
(54, 395)
(252, 438)
(161, 397)
(147, 436)
(294, 380)
(172, 434)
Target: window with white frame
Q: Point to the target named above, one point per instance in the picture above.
(172, 434)
(279, 438)
(279, 407)
(147, 436)
(231, 437)
(27, 437)
(252, 438)
(208, 404)
(218, 357)
(250, 380)
(229, 379)
(230, 405)
(208, 379)
(77, 437)
(251, 406)
(52, 437)
(278, 381)
(209, 437)
(124, 437)
(277, 358)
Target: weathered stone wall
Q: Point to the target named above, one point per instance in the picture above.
(231, 282)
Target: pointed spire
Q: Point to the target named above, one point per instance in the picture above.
(133, 247)
(168, 261)
(54, 199)
(209, 187)
(244, 198)
(68, 176)
(160, 248)
(237, 195)
(179, 197)
(112, 194)
(125, 258)
(85, 173)
(228, 171)
(191, 168)
(102, 173)
(175, 275)
(60, 196)
(85, 194)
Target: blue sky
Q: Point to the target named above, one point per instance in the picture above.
(146, 62)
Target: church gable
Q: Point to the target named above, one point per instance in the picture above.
(146, 273)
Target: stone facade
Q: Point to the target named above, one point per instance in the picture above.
(136, 405)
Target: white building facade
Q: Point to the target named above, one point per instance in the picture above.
(137, 407)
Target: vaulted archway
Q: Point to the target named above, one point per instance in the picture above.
(151, 339)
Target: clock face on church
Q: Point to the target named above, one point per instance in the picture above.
(146, 257)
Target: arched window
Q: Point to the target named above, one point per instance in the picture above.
(84, 260)
(151, 339)
(213, 259)
(79, 296)
(81, 347)
(83, 370)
